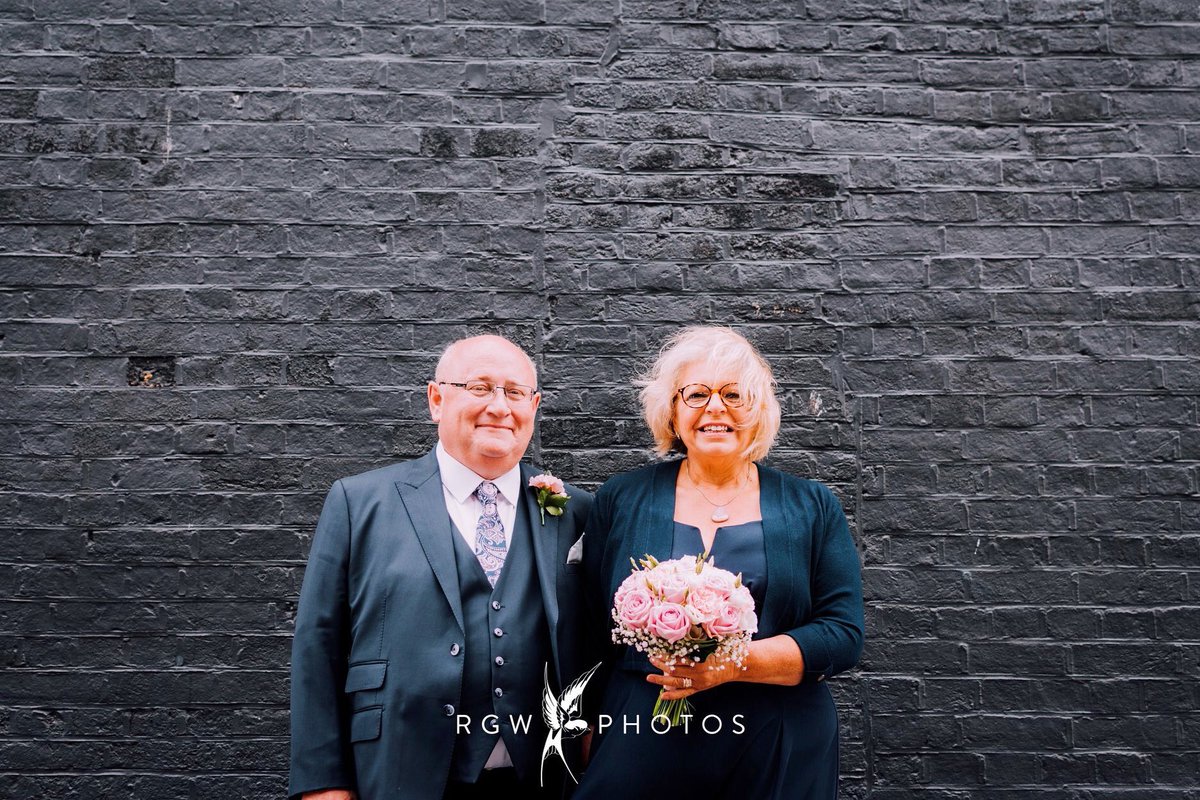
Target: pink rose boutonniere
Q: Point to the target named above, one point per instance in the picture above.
(551, 495)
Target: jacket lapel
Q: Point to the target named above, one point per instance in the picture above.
(421, 493)
(548, 551)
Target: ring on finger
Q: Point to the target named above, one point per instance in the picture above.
(687, 683)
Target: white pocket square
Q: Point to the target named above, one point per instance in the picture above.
(575, 554)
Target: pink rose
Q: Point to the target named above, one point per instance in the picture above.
(742, 599)
(718, 580)
(703, 604)
(673, 587)
(727, 622)
(547, 481)
(634, 607)
(658, 574)
(635, 579)
(670, 622)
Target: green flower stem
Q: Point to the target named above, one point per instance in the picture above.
(673, 710)
(551, 503)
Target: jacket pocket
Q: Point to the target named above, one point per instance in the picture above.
(366, 724)
(365, 675)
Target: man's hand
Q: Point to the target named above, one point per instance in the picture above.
(330, 794)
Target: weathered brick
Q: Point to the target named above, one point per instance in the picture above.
(977, 297)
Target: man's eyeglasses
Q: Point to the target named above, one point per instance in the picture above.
(513, 392)
(697, 395)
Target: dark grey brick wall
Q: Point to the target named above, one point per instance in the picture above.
(234, 235)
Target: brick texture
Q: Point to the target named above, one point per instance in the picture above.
(234, 236)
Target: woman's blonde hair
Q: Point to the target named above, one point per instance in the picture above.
(723, 350)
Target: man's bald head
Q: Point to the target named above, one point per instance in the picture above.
(460, 354)
(487, 432)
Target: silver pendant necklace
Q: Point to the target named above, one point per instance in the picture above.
(720, 512)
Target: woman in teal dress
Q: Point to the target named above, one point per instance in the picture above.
(769, 730)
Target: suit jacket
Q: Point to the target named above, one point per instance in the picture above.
(376, 677)
(814, 583)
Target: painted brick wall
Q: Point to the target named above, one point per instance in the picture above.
(234, 236)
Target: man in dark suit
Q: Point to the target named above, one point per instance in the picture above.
(434, 599)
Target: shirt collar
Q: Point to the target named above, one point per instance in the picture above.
(461, 481)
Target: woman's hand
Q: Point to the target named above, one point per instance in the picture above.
(686, 679)
(776, 661)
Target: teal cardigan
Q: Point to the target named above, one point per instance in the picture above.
(814, 582)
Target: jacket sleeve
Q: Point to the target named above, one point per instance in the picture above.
(320, 752)
(831, 641)
(598, 647)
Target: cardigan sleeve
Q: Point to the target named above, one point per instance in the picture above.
(595, 544)
(597, 646)
(831, 640)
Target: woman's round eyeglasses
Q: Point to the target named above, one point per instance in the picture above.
(696, 395)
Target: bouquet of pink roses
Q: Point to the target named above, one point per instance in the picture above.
(686, 609)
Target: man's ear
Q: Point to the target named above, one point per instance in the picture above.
(434, 393)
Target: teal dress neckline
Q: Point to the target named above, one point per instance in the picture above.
(737, 548)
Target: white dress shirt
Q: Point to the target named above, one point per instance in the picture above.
(459, 483)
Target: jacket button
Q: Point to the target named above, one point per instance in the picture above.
(499, 661)
(498, 631)
(499, 692)
(495, 605)
(448, 710)
(455, 649)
